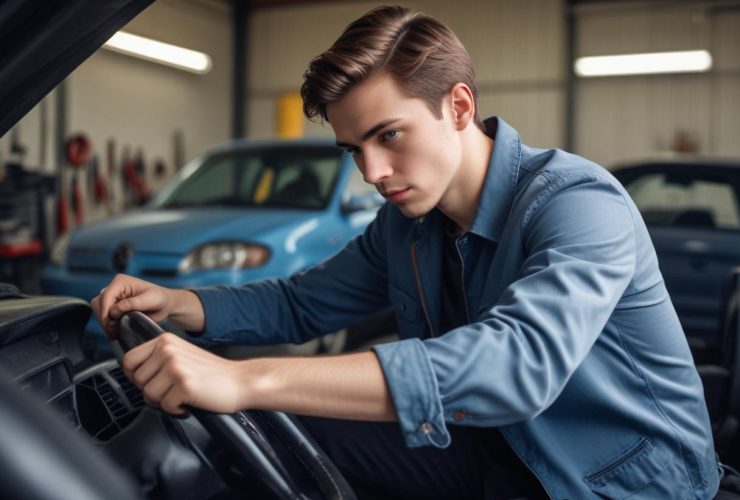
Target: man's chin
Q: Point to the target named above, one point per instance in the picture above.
(413, 212)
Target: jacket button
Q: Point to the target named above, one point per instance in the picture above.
(421, 219)
(458, 416)
(426, 428)
(401, 307)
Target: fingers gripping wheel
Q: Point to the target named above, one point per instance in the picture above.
(242, 434)
(137, 328)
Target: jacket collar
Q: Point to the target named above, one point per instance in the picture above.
(501, 180)
(499, 186)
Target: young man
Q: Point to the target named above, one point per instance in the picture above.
(531, 311)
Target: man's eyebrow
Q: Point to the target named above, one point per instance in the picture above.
(370, 132)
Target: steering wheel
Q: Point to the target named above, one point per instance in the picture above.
(242, 434)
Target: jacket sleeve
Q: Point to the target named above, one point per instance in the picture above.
(330, 296)
(515, 359)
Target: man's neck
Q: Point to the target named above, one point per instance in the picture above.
(461, 201)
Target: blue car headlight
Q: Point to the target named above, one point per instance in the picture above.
(224, 255)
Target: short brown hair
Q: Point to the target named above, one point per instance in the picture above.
(423, 55)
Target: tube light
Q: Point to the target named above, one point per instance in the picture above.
(160, 52)
(688, 61)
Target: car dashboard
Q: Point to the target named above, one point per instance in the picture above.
(41, 339)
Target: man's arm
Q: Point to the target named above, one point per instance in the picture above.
(174, 374)
(349, 386)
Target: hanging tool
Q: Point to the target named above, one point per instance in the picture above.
(76, 196)
(128, 173)
(134, 172)
(178, 149)
(160, 169)
(101, 193)
(62, 216)
(113, 180)
(78, 150)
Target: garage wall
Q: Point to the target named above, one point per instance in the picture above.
(517, 48)
(144, 103)
(622, 118)
(141, 104)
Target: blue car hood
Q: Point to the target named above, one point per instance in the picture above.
(179, 230)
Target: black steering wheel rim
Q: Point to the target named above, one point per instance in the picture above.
(242, 434)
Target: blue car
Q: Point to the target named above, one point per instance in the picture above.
(244, 211)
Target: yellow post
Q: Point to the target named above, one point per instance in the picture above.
(290, 115)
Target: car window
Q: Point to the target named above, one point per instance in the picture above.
(213, 183)
(274, 177)
(686, 200)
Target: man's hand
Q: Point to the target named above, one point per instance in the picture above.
(174, 374)
(126, 293)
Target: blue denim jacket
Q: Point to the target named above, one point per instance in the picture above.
(574, 349)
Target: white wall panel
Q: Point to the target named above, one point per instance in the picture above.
(537, 115)
(726, 117)
(141, 103)
(617, 29)
(508, 41)
(726, 39)
(618, 119)
(621, 119)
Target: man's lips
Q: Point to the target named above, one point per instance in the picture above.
(396, 194)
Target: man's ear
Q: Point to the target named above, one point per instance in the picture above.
(462, 104)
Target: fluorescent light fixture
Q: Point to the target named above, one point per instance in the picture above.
(163, 53)
(688, 61)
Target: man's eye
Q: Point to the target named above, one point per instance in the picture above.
(391, 134)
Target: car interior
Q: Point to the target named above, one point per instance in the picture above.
(85, 425)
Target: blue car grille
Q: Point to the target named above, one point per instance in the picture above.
(152, 264)
(89, 259)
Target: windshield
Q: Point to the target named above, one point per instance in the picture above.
(686, 199)
(278, 177)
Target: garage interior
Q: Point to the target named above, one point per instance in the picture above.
(123, 128)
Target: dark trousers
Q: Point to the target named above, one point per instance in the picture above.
(377, 463)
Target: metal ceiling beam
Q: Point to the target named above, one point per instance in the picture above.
(242, 11)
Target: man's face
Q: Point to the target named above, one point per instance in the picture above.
(399, 145)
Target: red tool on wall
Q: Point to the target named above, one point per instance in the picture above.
(78, 150)
(78, 208)
(113, 180)
(133, 170)
(100, 191)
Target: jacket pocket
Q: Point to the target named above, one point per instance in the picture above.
(406, 308)
(629, 472)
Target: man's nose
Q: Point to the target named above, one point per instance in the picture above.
(375, 167)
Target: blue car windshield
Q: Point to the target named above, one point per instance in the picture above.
(278, 177)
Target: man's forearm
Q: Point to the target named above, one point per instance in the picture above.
(349, 386)
(187, 310)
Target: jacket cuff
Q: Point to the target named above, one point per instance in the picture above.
(216, 314)
(415, 392)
